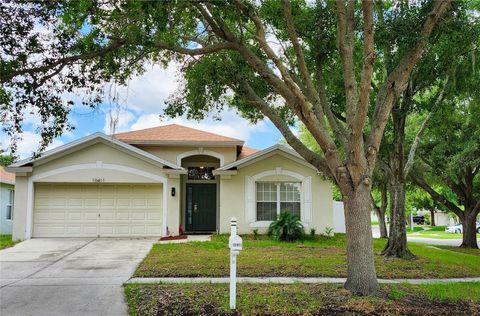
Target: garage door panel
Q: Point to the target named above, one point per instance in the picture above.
(50, 216)
(152, 229)
(89, 210)
(154, 203)
(75, 203)
(154, 216)
(74, 216)
(122, 215)
(42, 230)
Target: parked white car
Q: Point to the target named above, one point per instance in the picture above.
(458, 229)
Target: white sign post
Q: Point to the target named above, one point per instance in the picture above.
(235, 245)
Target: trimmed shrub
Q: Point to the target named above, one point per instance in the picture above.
(287, 227)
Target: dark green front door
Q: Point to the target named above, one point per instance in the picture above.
(201, 207)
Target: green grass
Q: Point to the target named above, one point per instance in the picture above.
(437, 228)
(468, 291)
(322, 256)
(415, 229)
(6, 241)
(301, 299)
(436, 232)
(375, 223)
(469, 251)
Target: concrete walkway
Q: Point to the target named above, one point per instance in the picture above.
(292, 280)
(68, 276)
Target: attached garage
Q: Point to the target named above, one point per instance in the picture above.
(97, 210)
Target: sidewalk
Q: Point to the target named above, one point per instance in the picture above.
(292, 280)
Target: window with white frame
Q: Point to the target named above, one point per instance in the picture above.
(272, 198)
(9, 212)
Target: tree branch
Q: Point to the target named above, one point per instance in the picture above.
(346, 45)
(416, 141)
(251, 97)
(302, 66)
(213, 48)
(396, 81)
(63, 61)
(361, 110)
(336, 126)
(435, 195)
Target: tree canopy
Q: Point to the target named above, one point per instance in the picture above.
(288, 61)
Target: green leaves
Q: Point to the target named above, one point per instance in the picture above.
(287, 227)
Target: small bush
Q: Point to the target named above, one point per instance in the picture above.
(287, 227)
(255, 234)
(312, 232)
(328, 231)
(427, 219)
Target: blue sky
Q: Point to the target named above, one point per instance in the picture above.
(141, 105)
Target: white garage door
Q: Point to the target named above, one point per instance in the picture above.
(91, 210)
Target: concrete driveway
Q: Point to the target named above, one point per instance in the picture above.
(68, 276)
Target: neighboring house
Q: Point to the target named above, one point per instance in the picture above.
(441, 218)
(161, 181)
(7, 192)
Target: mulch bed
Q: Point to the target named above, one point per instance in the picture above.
(179, 237)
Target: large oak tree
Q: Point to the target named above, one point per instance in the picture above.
(227, 57)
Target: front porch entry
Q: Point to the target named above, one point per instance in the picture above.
(200, 197)
(201, 207)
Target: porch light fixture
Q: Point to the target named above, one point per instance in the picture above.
(173, 191)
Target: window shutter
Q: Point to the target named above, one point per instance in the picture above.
(250, 199)
(307, 199)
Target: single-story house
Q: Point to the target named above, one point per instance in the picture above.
(7, 192)
(163, 181)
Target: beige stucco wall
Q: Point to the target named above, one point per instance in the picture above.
(232, 194)
(99, 156)
(173, 218)
(20, 208)
(170, 152)
(98, 153)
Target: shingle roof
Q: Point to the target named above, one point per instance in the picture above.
(174, 133)
(246, 151)
(6, 177)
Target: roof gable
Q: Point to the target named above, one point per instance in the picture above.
(90, 140)
(265, 153)
(176, 135)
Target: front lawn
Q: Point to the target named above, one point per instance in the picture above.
(6, 241)
(302, 299)
(313, 258)
(437, 232)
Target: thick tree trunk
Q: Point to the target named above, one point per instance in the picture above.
(469, 230)
(361, 275)
(381, 223)
(397, 240)
(381, 211)
(432, 217)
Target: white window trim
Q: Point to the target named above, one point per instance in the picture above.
(250, 196)
(200, 151)
(10, 203)
(278, 199)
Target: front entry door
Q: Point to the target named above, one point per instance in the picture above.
(201, 207)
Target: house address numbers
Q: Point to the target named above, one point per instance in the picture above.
(98, 180)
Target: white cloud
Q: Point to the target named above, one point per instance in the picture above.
(29, 143)
(124, 119)
(147, 93)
